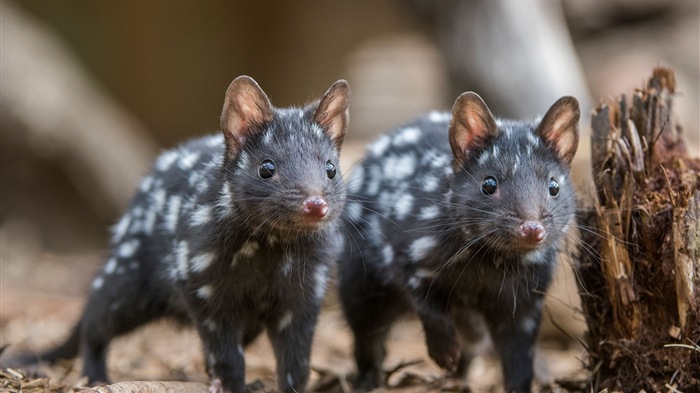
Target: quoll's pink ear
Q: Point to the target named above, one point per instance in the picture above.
(246, 110)
(333, 111)
(559, 128)
(471, 125)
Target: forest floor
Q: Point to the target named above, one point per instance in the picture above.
(41, 300)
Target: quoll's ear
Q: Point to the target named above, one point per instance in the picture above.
(246, 110)
(472, 125)
(559, 128)
(333, 112)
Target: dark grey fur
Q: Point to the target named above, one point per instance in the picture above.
(426, 238)
(208, 240)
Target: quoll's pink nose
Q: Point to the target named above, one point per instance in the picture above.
(532, 232)
(315, 206)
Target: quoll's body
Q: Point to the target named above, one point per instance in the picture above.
(458, 218)
(231, 232)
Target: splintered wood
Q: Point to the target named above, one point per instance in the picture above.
(640, 276)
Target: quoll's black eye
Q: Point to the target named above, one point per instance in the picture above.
(267, 169)
(553, 187)
(330, 169)
(489, 185)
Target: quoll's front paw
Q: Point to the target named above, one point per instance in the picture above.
(217, 387)
(444, 351)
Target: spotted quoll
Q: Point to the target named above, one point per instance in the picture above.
(458, 217)
(233, 233)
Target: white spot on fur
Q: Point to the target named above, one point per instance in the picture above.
(320, 281)
(436, 158)
(407, 136)
(249, 248)
(202, 261)
(380, 145)
(158, 198)
(166, 160)
(418, 276)
(285, 321)
(528, 325)
(225, 199)
(210, 325)
(290, 381)
(315, 128)
(399, 167)
(535, 257)
(173, 213)
(429, 212)
(110, 266)
(534, 141)
(127, 249)
(181, 256)
(421, 247)
(146, 183)
(242, 163)
(437, 117)
(97, 283)
(388, 254)
(495, 152)
(149, 221)
(120, 229)
(215, 140)
(195, 178)
(430, 183)
(201, 216)
(484, 157)
(562, 180)
(188, 159)
(205, 292)
(267, 137)
(403, 206)
(424, 273)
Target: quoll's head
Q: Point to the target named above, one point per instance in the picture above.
(511, 186)
(282, 164)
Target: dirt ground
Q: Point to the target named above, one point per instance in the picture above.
(41, 299)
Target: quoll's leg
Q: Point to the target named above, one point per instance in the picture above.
(471, 330)
(224, 357)
(439, 327)
(370, 309)
(291, 335)
(121, 301)
(514, 337)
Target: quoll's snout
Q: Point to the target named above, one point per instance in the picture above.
(532, 232)
(315, 207)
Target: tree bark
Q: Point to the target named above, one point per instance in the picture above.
(640, 276)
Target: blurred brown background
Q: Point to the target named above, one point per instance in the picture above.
(92, 90)
(165, 65)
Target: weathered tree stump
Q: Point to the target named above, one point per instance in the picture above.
(640, 266)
